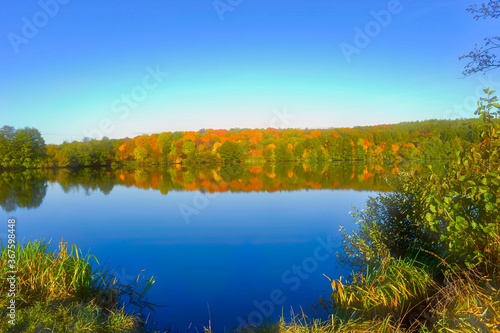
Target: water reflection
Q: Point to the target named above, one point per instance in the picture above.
(24, 189)
(28, 188)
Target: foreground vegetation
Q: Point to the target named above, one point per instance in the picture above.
(426, 258)
(61, 292)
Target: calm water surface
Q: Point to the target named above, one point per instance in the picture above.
(224, 244)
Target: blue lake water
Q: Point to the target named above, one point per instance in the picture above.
(223, 257)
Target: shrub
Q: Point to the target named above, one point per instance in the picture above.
(464, 206)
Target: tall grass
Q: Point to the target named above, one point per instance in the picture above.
(465, 302)
(302, 324)
(62, 287)
(42, 275)
(394, 288)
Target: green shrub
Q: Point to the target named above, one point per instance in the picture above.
(389, 226)
(464, 206)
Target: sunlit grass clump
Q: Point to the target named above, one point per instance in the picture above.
(60, 291)
(400, 299)
(71, 317)
(395, 287)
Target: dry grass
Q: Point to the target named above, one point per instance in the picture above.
(466, 302)
(395, 288)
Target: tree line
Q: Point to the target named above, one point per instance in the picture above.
(421, 140)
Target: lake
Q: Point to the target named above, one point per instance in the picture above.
(225, 244)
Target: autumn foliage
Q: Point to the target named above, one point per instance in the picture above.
(426, 140)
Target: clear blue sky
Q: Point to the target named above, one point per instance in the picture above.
(235, 66)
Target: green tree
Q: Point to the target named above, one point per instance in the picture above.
(21, 148)
(409, 151)
(6, 145)
(346, 149)
(311, 143)
(359, 150)
(230, 152)
(140, 154)
(317, 155)
(432, 148)
(164, 144)
(283, 153)
(298, 151)
(190, 151)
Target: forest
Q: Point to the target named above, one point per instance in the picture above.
(421, 140)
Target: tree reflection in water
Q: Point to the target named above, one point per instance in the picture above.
(26, 189)
(22, 189)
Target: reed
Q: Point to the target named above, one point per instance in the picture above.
(302, 324)
(62, 289)
(42, 275)
(466, 301)
(394, 288)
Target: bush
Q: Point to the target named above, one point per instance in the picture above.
(464, 206)
(389, 226)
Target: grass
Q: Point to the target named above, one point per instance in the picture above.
(466, 302)
(302, 324)
(60, 291)
(71, 317)
(395, 288)
(400, 296)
